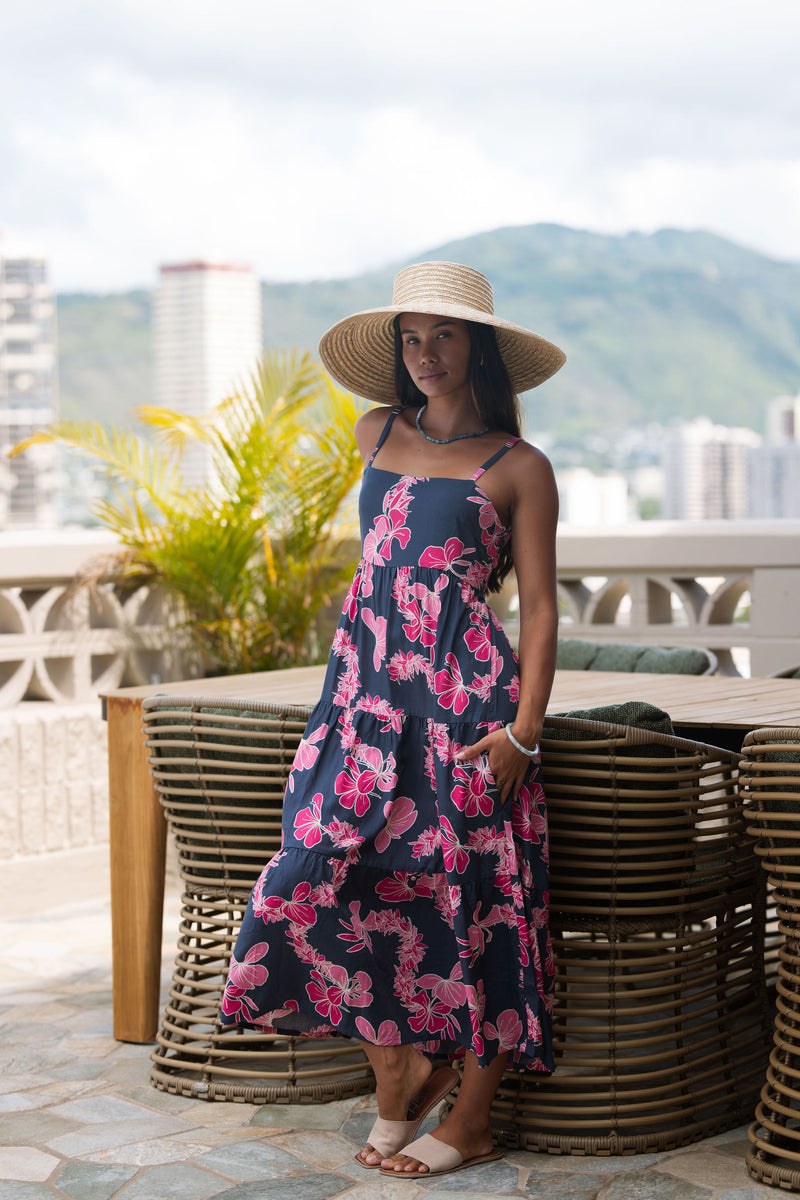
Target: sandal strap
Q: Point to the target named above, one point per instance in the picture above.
(386, 1137)
(436, 1155)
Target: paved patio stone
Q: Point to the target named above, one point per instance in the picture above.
(91, 1181)
(173, 1183)
(564, 1187)
(251, 1161)
(27, 1128)
(26, 1163)
(114, 1133)
(319, 1148)
(709, 1167)
(24, 1191)
(101, 1110)
(154, 1153)
(384, 1189)
(489, 1179)
(79, 1070)
(652, 1185)
(302, 1116)
(755, 1191)
(299, 1187)
(150, 1097)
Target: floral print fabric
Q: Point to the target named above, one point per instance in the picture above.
(406, 904)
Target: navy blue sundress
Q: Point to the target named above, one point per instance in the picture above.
(407, 904)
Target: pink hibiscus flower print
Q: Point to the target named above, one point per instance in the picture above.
(470, 794)
(478, 639)
(376, 625)
(449, 991)
(445, 557)
(396, 890)
(508, 1031)
(350, 606)
(355, 786)
(387, 1034)
(449, 685)
(400, 815)
(307, 752)
(326, 997)
(308, 823)
(528, 818)
(428, 1014)
(249, 974)
(297, 910)
(357, 931)
(456, 857)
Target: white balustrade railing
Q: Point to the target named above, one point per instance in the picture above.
(732, 587)
(64, 644)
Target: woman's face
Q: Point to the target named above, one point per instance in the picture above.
(436, 353)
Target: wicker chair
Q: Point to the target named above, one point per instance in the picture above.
(770, 783)
(220, 768)
(660, 1023)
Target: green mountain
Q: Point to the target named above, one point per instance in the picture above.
(655, 327)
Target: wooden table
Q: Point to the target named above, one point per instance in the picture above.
(713, 705)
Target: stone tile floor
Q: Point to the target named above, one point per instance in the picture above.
(79, 1120)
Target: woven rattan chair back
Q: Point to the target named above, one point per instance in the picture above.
(770, 783)
(660, 1018)
(220, 768)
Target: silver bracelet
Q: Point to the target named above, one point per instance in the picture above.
(530, 753)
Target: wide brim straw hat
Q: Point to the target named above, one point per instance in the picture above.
(359, 350)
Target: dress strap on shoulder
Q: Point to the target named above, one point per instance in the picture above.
(384, 434)
(498, 454)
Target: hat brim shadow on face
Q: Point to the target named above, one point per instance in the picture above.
(358, 351)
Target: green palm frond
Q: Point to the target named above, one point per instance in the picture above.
(121, 454)
(251, 558)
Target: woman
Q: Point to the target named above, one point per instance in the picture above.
(407, 905)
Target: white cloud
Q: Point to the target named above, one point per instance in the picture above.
(314, 139)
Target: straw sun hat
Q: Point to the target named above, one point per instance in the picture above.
(359, 351)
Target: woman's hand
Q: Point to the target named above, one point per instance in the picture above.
(508, 765)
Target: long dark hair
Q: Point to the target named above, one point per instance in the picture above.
(492, 394)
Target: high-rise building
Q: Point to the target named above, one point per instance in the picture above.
(775, 466)
(706, 472)
(207, 340)
(28, 390)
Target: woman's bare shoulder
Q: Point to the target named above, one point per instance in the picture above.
(526, 458)
(368, 428)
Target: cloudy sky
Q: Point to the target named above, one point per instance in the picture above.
(317, 138)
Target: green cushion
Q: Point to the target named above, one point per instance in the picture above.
(580, 654)
(638, 713)
(616, 656)
(575, 654)
(683, 660)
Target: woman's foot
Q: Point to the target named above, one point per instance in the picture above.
(407, 1089)
(470, 1142)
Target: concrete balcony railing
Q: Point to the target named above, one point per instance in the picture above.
(732, 587)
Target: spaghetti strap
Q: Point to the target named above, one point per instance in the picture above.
(491, 461)
(384, 434)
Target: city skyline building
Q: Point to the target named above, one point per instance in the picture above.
(207, 340)
(28, 390)
(707, 471)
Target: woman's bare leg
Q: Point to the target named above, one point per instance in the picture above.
(466, 1126)
(400, 1072)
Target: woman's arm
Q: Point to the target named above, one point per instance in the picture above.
(534, 515)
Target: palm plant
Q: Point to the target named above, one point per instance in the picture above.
(251, 558)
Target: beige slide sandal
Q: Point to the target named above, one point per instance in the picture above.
(438, 1157)
(388, 1137)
